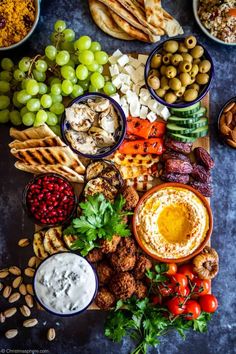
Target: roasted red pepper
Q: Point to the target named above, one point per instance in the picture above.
(145, 129)
(158, 129)
(143, 147)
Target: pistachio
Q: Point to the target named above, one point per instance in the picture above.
(24, 242)
(11, 333)
(10, 312)
(22, 289)
(29, 272)
(29, 289)
(29, 300)
(4, 273)
(14, 297)
(7, 291)
(51, 334)
(32, 262)
(2, 318)
(30, 323)
(25, 311)
(16, 282)
(15, 270)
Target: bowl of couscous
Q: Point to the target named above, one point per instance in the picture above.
(18, 19)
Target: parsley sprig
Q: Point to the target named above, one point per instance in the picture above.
(99, 220)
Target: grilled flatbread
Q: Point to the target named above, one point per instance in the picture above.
(172, 26)
(154, 13)
(53, 242)
(32, 133)
(134, 160)
(131, 30)
(64, 171)
(38, 246)
(46, 142)
(104, 21)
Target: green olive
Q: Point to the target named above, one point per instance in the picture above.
(194, 71)
(194, 86)
(154, 72)
(160, 92)
(192, 81)
(164, 83)
(171, 72)
(202, 79)
(190, 95)
(156, 61)
(196, 61)
(204, 66)
(187, 57)
(176, 59)
(185, 79)
(170, 97)
(167, 58)
(182, 48)
(154, 82)
(185, 66)
(180, 92)
(163, 70)
(175, 84)
(190, 42)
(171, 46)
(197, 52)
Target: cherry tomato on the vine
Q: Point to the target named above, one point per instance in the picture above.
(202, 286)
(208, 303)
(176, 305)
(172, 269)
(179, 280)
(192, 310)
(156, 300)
(187, 270)
(166, 289)
(179, 290)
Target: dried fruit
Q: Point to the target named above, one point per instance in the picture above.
(15, 270)
(229, 107)
(29, 300)
(172, 144)
(22, 289)
(29, 289)
(205, 188)
(24, 242)
(231, 143)
(30, 323)
(175, 177)
(51, 334)
(11, 333)
(203, 157)
(29, 272)
(174, 155)
(32, 262)
(178, 166)
(7, 291)
(227, 124)
(16, 282)
(4, 273)
(10, 312)
(25, 311)
(199, 173)
(206, 264)
(14, 297)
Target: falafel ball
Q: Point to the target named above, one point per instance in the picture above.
(124, 258)
(105, 299)
(140, 290)
(131, 196)
(109, 246)
(123, 285)
(142, 265)
(104, 272)
(95, 255)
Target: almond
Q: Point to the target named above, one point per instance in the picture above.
(29, 289)
(32, 262)
(4, 273)
(14, 297)
(10, 312)
(29, 300)
(229, 107)
(2, 318)
(225, 130)
(16, 282)
(51, 334)
(29, 272)
(30, 323)
(7, 291)
(25, 311)
(24, 242)
(233, 135)
(231, 143)
(11, 333)
(22, 289)
(228, 118)
(15, 270)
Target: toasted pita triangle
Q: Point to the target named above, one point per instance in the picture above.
(154, 13)
(32, 133)
(46, 142)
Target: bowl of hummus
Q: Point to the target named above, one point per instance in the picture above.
(172, 222)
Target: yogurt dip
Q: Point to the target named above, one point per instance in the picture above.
(65, 283)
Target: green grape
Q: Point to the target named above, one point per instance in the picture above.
(97, 80)
(62, 57)
(46, 101)
(67, 87)
(109, 88)
(60, 26)
(100, 69)
(24, 64)
(41, 66)
(4, 86)
(93, 67)
(55, 80)
(15, 117)
(74, 81)
(52, 119)
(28, 119)
(93, 89)
(33, 105)
(4, 116)
(56, 129)
(32, 87)
(69, 35)
(83, 43)
(101, 57)
(4, 102)
(19, 75)
(41, 117)
(82, 72)
(23, 96)
(56, 98)
(51, 52)
(6, 76)
(42, 88)
(95, 46)
(71, 63)
(23, 84)
(39, 76)
(84, 85)
(23, 111)
(77, 91)
(7, 64)
(86, 57)
(56, 89)
(15, 101)
(57, 108)
(67, 72)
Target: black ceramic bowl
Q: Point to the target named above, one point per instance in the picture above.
(119, 136)
(31, 214)
(178, 104)
(223, 137)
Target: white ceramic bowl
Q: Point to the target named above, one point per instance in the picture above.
(204, 29)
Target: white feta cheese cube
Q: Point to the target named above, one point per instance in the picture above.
(144, 94)
(142, 102)
(114, 70)
(142, 83)
(138, 75)
(128, 69)
(134, 109)
(116, 97)
(164, 112)
(153, 105)
(123, 101)
(142, 58)
(117, 53)
(151, 116)
(143, 112)
(125, 78)
(134, 62)
(136, 88)
(126, 110)
(124, 88)
(117, 81)
(132, 97)
(112, 60)
(123, 60)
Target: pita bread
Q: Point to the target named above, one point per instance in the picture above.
(46, 142)
(172, 26)
(65, 171)
(104, 21)
(32, 133)
(154, 13)
(132, 31)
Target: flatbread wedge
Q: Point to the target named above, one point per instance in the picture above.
(32, 133)
(64, 171)
(30, 143)
(53, 241)
(154, 13)
(104, 21)
(38, 246)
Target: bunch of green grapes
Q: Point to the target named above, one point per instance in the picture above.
(34, 91)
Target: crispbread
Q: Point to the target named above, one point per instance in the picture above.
(104, 21)
(32, 133)
(30, 143)
(64, 171)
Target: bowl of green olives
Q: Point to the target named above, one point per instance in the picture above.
(179, 72)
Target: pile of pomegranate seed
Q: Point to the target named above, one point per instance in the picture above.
(50, 199)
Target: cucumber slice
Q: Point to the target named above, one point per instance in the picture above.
(186, 112)
(199, 123)
(200, 113)
(199, 132)
(181, 120)
(182, 138)
(174, 128)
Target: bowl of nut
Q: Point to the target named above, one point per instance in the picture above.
(179, 72)
(227, 122)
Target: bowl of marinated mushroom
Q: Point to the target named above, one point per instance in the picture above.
(179, 72)
(93, 125)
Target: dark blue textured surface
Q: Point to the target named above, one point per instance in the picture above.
(84, 334)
